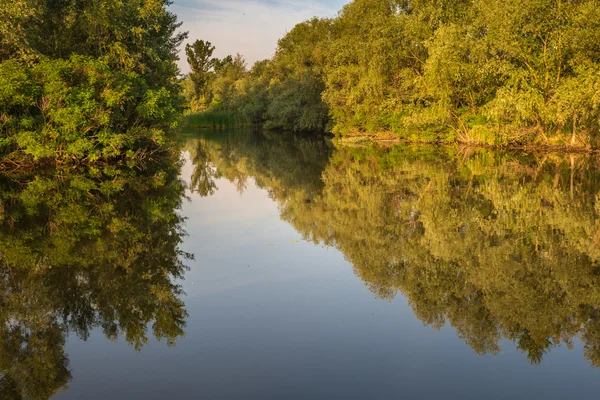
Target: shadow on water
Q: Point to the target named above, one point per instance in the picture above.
(500, 245)
(82, 250)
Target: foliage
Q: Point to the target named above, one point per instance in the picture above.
(496, 72)
(86, 80)
(283, 93)
(199, 58)
(213, 119)
(213, 88)
(224, 86)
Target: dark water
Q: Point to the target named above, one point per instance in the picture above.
(285, 268)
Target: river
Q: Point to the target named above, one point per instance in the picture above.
(269, 266)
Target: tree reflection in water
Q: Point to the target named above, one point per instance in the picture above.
(85, 249)
(500, 245)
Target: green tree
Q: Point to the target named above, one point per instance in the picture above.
(218, 65)
(199, 57)
(296, 82)
(15, 15)
(87, 80)
(484, 72)
(226, 82)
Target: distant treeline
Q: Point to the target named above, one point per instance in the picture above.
(86, 80)
(496, 72)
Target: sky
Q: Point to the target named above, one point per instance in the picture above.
(248, 27)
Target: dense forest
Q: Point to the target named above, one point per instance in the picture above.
(86, 80)
(499, 245)
(495, 72)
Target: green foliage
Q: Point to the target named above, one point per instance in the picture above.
(199, 57)
(92, 248)
(493, 72)
(213, 84)
(225, 84)
(283, 93)
(15, 15)
(296, 80)
(364, 56)
(87, 81)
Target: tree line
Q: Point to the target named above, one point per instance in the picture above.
(496, 72)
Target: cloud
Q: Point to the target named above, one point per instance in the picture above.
(248, 27)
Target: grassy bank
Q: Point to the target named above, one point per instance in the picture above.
(499, 137)
(530, 139)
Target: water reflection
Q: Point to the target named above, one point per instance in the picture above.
(80, 250)
(500, 245)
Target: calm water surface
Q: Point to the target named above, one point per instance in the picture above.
(305, 272)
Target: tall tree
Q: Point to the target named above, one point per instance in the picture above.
(199, 57)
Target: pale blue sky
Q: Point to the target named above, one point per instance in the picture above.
(248, 27)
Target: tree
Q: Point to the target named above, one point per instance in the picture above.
(297, 79)
(87, 81)
(224, 90)
(489, 72)
(199, 57)
(218, 65)
(15, 15)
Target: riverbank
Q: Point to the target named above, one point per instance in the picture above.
(526, 140)
(560, 144)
